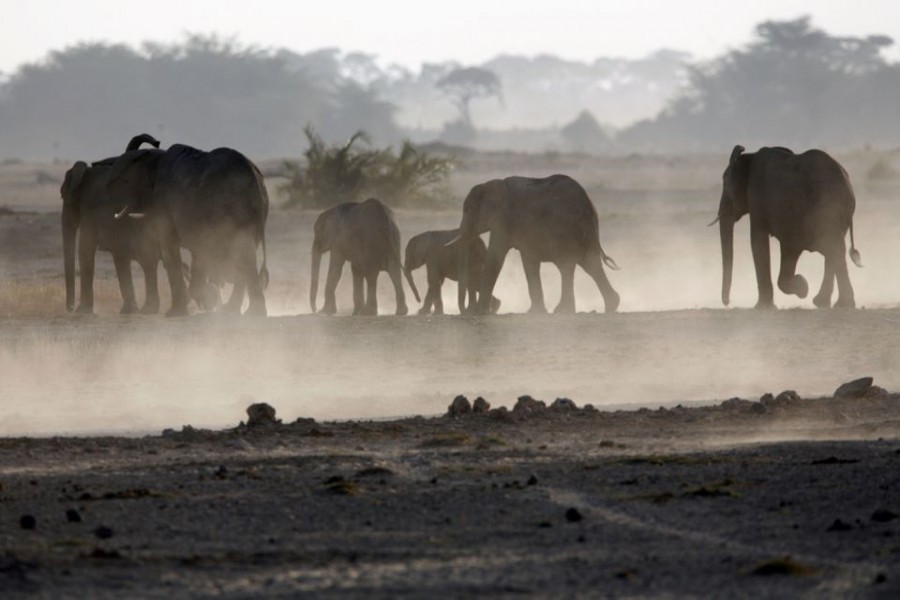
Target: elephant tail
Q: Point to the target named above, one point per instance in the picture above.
(607, 259)
(854, 253)
(264, 270)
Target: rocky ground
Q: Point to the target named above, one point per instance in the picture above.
(549, 500)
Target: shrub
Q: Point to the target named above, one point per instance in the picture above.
(354, 171)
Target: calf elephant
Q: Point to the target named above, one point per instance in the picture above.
(442, 262)
(365, 234)
(213, 203)
(803, 200)
(547, 220)
(88, 215)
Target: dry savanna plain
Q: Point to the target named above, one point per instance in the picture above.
(129, 465)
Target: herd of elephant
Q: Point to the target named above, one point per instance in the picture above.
(146, 204)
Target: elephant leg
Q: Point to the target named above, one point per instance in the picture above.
(371, 306)
(823, 298)
(567, 296)
(197, 285)
(496, 254)
(172, 262)
(789, 281)
(759, 244)
(151, 286)
(533, 276)
(87, 248)
(433, 298)
(359, 296)
(846, 298)
(394, 272)
(235, 300)
(248, 277)
(335, 266)
(593, 266)
(126, 285)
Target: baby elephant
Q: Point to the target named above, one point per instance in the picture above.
(442, 261)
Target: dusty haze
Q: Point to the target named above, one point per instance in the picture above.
(670, 343)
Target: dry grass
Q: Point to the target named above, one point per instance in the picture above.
(47, 298)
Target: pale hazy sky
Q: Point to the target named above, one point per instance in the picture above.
(410, 32)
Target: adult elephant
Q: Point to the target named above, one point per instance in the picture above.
(213, 203)
(438, 251)
(803, 200)
(365, 234)
(549, 219)
(88, 216)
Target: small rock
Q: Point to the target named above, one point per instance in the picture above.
(876, 392)
(481, 405)
(839, 525)
(573, 515)
(854, 389)
(261, 413)
(787, 397)
(563, 404)
(883, 515)
(27, 522)
(589, 408)
(501, 413)
(528, 405)
(103, 532)
(766, 399)
(73, 516)
(459, 407)
(737, 403)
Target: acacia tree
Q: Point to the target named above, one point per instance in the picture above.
(469, 83)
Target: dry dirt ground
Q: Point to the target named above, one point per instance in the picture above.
(788, 497)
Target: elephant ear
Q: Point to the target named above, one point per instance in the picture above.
(738, 174)
(74, 177)
(735, 154)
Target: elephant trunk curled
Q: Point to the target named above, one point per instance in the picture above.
(69, 232)
(726, 233)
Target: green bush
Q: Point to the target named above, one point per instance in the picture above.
(355, 171)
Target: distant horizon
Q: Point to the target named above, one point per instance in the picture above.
(400, 32)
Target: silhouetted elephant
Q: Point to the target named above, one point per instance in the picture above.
(365, 234)
(803, 200)
(547, 220)
(214, 204)
(88, 214)
(442, 262)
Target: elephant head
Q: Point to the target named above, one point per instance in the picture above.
(71, 192)
(732, 206)
(327, 227)
(484, 209)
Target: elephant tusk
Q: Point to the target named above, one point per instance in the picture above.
(137, 215)
(121, 213)
(453, 241)
(716, 220)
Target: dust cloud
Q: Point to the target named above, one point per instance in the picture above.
(670, 343)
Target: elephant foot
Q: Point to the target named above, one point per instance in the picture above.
(845, 303)
(564, 309)
(822, 301)
(177, 311)
(402, 310)
(797, 286)
(257, 309)
(129, 308)
(765, 305)
(424, 311)
(611, 302)
(331, 310)
(150, 309)
(495, 305)
(84, 309)
(369, 312)
(534, 310)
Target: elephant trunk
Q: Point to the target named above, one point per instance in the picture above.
(726, 233)
(69, 232)
(314, 283)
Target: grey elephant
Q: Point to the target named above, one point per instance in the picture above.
(438, 251)
(803, 200)
(548, 220)
(88, 216)
(365, 234)
(214, 203)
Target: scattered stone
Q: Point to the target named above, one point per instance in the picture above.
(73, 516)
(481, 405)
(854, 389)
(308, 421)
(563, 404)
(834, 460)
(766, 399)
(880, 578)
(27, 522)
(221, 472)
(532, 480)
(787, 397)
(501, 413)
(883, 515)
(738, 403)
(590, 408)
(839, 525)
(782, 566)
(103, 532)
(877, 392)
(573, 515)
(459, 407)
(528, 406)
(261, 413)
